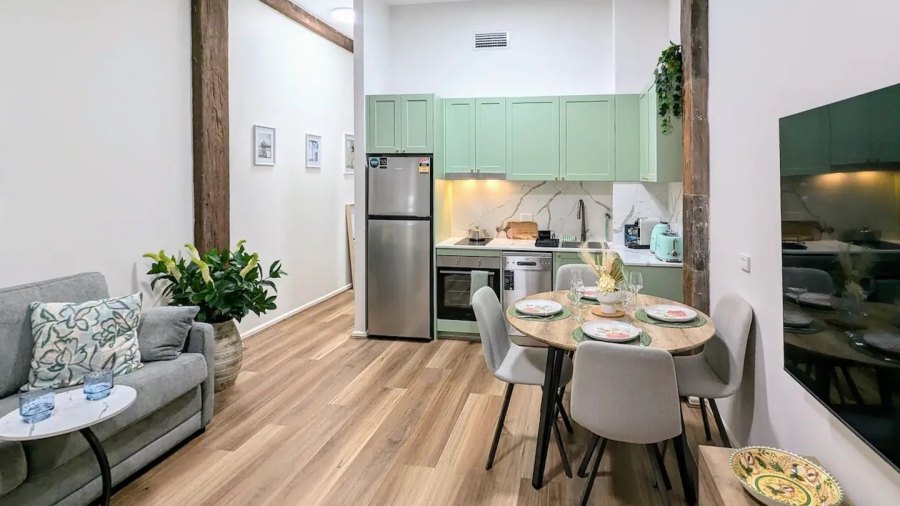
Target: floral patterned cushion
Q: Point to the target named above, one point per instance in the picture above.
(71, 340)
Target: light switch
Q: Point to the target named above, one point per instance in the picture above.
(745, 262)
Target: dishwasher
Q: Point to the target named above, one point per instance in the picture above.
(525, 274)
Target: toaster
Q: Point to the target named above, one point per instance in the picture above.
(669, 247)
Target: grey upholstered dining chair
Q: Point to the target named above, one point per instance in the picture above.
(564, 275)
(515, 365)
(628, 394)
(717, 371)
(812, 280)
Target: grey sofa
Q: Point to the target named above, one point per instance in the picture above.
(174, 401)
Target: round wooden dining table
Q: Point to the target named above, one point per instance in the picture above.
(557, 335)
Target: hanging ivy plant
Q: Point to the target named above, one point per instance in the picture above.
(669, 79)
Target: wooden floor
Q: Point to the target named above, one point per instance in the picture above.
(317, 417)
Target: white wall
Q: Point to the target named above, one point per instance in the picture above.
(283, 75)
(675, 21)
(95, 137)
(814, 52)
(641, 33)
(557, 48)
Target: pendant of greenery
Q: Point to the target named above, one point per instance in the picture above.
(225, 284)
(669, 79)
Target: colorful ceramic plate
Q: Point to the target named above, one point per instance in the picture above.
(822, 300)
(611, 332)
(670, 313)
(883, 341)
(796, 320)
(778, 478)
(590, 292)
(538, 307)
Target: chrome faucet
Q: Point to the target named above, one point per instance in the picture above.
(580, 215)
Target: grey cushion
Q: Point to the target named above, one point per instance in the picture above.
(202, 340)
(157, 384)
(12, 466)
(16, 341)
(164, 330)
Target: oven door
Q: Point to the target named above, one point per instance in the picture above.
(454, 292)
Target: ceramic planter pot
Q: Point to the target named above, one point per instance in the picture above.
(608, 301)
(229, 354)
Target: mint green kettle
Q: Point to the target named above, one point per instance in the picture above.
(657, 231)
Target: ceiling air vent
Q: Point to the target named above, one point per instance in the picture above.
(491, 40)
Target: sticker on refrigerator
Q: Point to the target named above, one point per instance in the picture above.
(382, 162)
(374, 161)
(424, 165)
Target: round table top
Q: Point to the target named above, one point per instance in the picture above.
(558, 334)
(71, 412)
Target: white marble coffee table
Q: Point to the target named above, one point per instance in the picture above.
(72, 412)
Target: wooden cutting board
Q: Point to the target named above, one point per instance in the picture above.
(522, 230)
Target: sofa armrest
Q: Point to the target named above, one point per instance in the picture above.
(202, 340)
(13, 467)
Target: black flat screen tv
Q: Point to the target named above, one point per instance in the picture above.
(840, 233)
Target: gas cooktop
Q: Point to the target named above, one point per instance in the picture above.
(470, 242)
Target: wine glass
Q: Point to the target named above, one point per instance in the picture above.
(576, 292)
(636, 281)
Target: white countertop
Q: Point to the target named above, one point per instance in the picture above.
(629, 256)
(833, 247)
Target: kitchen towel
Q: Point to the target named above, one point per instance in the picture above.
(479, 279)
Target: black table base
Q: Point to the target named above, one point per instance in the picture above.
(100, 454)
(548, 413)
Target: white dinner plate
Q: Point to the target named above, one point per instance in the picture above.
(822, 300)
(670, 313)
(538, 307)
(611, 332)
(883, 341)
(796, 319)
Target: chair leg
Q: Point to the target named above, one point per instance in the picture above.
(719, 425)
(687, 484)
(506, 397)
(662, 481)
(588, 453)
(658, 458)
(705, 417)
(564, 415)
(562, 450)
(596, 467)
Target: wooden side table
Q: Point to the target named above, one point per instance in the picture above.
(719, 487)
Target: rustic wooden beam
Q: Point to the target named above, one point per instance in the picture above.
(209, 76)
(319, 27)
(695, 50)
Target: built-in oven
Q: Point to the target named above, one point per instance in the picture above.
(454, 284)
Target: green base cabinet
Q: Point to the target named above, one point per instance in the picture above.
(664, 282)
(587, 138)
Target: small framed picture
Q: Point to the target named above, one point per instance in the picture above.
(349, 153)
(313, 151)
(263, 145)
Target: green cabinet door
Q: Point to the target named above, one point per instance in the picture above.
(628, 138)
(459, 136)
(644, 132)
(663, 151)
(587, 138)
(490, 135)
(884, 124)
(417, 123)
(532, 138)
(383, 124)
(804, 142)
(864, 129)
(666, 282)
(849, 136)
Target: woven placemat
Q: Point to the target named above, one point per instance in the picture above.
(562, 315)
(641, 315)
(579, 336)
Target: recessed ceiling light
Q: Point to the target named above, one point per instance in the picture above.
(343, 15)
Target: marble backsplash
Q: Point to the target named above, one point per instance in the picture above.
(554, 205)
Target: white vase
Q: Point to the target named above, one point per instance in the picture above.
(608, 301)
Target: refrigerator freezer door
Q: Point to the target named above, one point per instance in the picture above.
(398, 188)
(399, 278)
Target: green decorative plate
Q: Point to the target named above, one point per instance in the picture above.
(777, 478)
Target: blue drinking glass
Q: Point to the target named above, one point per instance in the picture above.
(36, 405)
(98, 384)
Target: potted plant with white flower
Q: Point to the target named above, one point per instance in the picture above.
(226, 286)
(610, 272)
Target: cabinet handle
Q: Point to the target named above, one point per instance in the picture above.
(556, 178)
(562, 178)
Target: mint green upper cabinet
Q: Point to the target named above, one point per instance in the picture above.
(417, 123)
(644, 169)
(804, 143)
(532, 138)
(383, 124)
(662, 152)
(628, 138)
(587, 138)
(490, 135)
(864, 129)
(459, 136)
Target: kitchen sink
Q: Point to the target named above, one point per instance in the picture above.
(590, 244)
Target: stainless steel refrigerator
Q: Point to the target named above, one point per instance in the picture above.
(398, 248)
